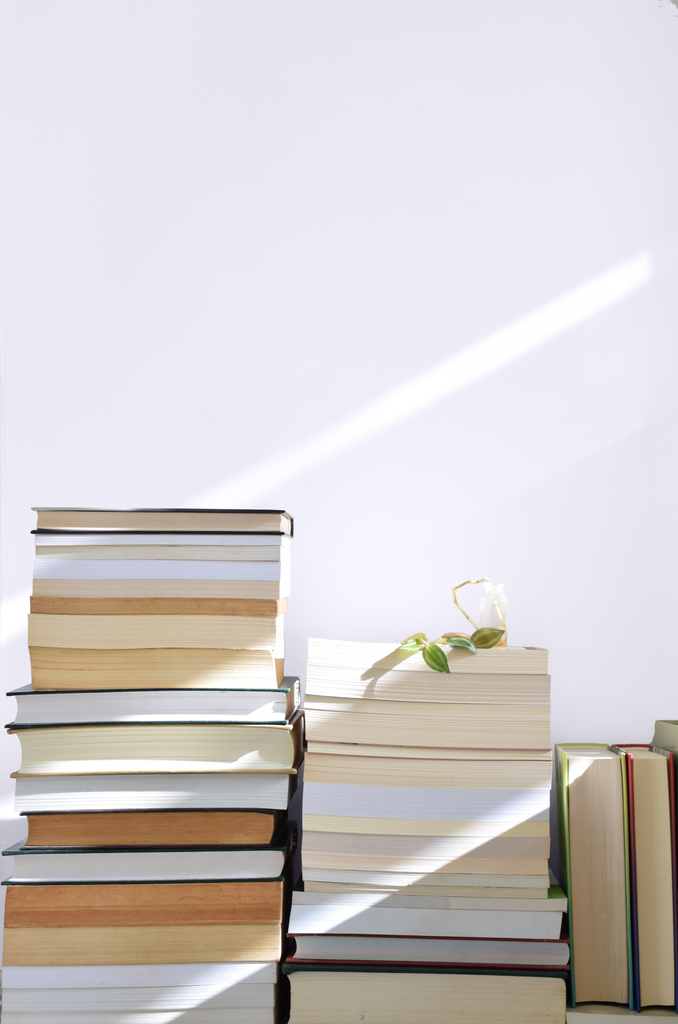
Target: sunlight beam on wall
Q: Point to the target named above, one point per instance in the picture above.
(460, 371)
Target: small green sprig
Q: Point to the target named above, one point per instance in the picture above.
(433, 654)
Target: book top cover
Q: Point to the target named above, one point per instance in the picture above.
(168, 519)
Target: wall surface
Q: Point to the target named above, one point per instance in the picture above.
(249, 251)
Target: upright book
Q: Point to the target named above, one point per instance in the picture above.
(650, 778)
(593, 830)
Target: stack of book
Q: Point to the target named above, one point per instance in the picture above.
(426, 893)
(160, 747)
(617, 826)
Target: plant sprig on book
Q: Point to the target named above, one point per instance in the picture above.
(433, 653)
(482, 639)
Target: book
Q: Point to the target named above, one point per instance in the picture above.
(101, 546)
(234, 1014)
(154, 548)
(479, 883)
(157, 606)
(390, 948)
(403, 848)
(231, 1012)
(113, 993)
(506, 806)
(384, 671)
(165, 538)
(151, 864)
(666, 734)
(69, 707)
(69, 793)
(159, 569)
(444, 864)
(184, 590)
(247, 1004)
(402, 995)
(153, 828)
(213, 976)
(426, 896)
(82, 905)
(355, 914)
(139, 944)
(121, 632)
(327, 823)
(445, 753)
(347, 720)
(158, 747)
(651, 838)
(162, 519)
(58, 668)
(593, 856)
(453, 770)
(433, 886)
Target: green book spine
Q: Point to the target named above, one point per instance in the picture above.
(564, 849)
(627, 858)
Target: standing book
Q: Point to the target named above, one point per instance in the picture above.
(593, 830)
(652, 857)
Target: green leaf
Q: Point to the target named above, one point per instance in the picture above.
(435, 658)
(415, 642)
(461, 641)
(487, 637)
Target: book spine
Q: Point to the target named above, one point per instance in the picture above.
(635, 973)
(629, 894)
(561, 768)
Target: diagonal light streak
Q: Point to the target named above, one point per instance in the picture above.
(460, 371)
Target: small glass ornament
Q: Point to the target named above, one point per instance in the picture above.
(493, 608)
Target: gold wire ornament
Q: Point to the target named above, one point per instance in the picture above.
(483, 579)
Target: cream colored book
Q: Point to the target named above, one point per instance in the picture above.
(334, 895)
(651, 862)
(403, 722)
(502, 806)
(591, 799)
(121, 749)
(476, 866)
(458, 773)
(250, 590)
(464, 883)
(151, 944)
(385, 656)
(510, 675)
(422, 683)
(424, 827)
(427, 998)
(177, 520)
(68, 668)
(442, 847)
(125, 538)
(164, 552)
(501, 754)
(362, 914)
(120, 632)
(464, 893)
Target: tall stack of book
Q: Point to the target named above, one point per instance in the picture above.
(426, 893)
(160, 746)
